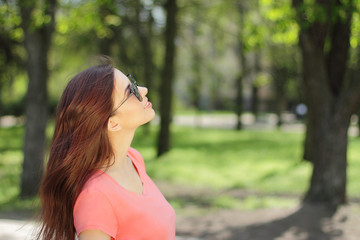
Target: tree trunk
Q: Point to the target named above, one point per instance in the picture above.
(329, 99)
(280, 106)
(239, 102)
(37, 43)
(279, 80)
(255, 101)
(105, 43)
(144, 32)
(255, 86)
(167, 78)
(329, 146)
(243, 66)
(123, 55)
(195, 85)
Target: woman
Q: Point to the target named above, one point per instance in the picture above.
(95, 185)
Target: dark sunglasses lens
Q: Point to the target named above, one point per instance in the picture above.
(135, 88)
(137, 94)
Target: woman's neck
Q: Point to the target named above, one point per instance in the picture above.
(120, 142)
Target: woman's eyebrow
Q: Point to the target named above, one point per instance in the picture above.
(126, 89)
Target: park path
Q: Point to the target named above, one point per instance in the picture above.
(266, 121)
(229, 121)
(223, 121)
(22, 230)
(208, 120)
(15, 229)
(307, 222)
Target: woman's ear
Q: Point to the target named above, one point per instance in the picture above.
(113, 125)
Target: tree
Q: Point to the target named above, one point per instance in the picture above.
(196, 83)
(282, 75)
(250, 42)
(38, 20)
(10, 53)
(282, 46)
(144, 32)
(108, 15)
(325, 29)
(243, 65)
(167, 78)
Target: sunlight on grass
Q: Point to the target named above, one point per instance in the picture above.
(9, 180)
(227, 202)
(254, 202)
(353, 187)
(264, 161)
(10, 162)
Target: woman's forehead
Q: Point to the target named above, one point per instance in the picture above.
(121, 81)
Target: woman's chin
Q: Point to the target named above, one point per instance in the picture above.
(150, 117)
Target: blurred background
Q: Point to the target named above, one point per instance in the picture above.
(258, 102)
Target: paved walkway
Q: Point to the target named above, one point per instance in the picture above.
(15, 229)
(23, 230)
(266, 121)
(229, 121)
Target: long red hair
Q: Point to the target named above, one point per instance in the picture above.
(79, 146)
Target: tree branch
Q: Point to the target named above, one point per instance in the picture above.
(316, 28)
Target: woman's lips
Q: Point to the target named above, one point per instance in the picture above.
(148, 105)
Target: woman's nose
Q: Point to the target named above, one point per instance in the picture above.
(143, 91)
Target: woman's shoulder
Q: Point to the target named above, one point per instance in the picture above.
(98, 182)
(135, 153)
(136, 156)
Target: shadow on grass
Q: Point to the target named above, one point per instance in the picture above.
(309, 222)
(305, 224)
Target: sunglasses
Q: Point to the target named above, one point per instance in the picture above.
(133, 91)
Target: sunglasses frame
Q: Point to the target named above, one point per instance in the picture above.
(133, 91)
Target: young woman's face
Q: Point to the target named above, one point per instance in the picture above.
(132, 112)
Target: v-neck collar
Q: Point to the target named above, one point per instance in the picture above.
(139, 173)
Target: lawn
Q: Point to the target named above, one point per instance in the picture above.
(259, 160)
(267, 162)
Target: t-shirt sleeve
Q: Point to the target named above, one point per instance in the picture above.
(93, 210)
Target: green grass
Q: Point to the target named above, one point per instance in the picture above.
(253, 202)
(353, 172)
(267, 162)
(263, 161)
(11, 141)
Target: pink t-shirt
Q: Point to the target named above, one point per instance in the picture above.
(105, 205)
